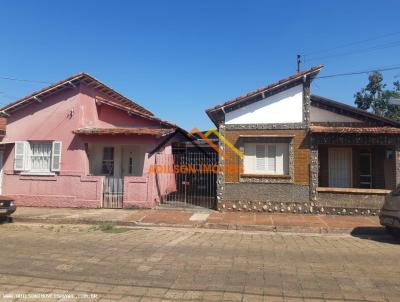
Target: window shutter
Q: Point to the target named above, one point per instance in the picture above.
(271, 158)
(280, 158)
(56, 156)
(260, 158)
(249, 158)
(20, 157)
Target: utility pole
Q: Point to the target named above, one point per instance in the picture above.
(298, 62)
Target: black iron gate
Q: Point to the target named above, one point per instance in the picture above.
(113, 192)
(187, 179)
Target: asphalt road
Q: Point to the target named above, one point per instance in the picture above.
(68, 263)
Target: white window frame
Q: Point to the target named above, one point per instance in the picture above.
(23, 160)
(277, 165)
(39, 157)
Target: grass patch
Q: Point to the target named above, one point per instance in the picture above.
(110, 228)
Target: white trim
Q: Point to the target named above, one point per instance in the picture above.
(28, 173)
(56, 157)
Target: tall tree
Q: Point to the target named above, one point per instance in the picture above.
(375, 97)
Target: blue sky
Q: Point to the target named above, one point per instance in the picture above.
(178, 58)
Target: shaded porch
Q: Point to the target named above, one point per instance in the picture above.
(353, 168)
(123, 157)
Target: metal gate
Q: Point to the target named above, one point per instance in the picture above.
(113, 192)
(187, 179)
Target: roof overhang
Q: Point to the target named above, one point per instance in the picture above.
(354, 130)
(158, 132)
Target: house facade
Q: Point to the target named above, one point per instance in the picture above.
(303, 153)
(79, 143)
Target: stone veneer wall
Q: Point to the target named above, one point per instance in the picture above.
(266, 197)
(292, 198)
(294, 195)
(349, 203)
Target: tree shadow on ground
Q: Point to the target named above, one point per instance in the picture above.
(378, 234)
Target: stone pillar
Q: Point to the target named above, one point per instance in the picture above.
(306, 103)
(397, 163)
(221, 172)
(313, 168)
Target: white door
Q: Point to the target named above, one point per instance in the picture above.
(340, 167)
(1, 171)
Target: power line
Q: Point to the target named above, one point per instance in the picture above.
(7, 95)
(368, 49)
(353, 43)
(22, 80)
(357, 72)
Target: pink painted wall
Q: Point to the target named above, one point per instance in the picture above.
(55, 118)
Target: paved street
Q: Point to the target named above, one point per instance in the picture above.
(161, 264)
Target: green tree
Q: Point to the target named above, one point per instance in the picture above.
(375, 97)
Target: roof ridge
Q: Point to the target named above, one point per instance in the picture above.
(74, 77)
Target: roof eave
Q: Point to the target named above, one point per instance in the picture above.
(352, 109)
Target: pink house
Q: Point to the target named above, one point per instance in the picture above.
(79, 143)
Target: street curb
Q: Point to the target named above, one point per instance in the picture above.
(361, 231)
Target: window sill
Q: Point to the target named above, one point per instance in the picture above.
(353, 190)
(279, 176)
(38, 174)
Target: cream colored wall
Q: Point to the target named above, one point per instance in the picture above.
(322, 115)
(96, 157)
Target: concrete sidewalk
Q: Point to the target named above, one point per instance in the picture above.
(204, 219)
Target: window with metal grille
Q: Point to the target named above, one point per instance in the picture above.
(107, 167)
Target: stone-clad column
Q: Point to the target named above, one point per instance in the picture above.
(306, 103)
(313, 167)
(221, 172)
(397, 163)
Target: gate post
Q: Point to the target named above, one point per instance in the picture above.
(221, 170)
(397, 163)
(313, 168)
